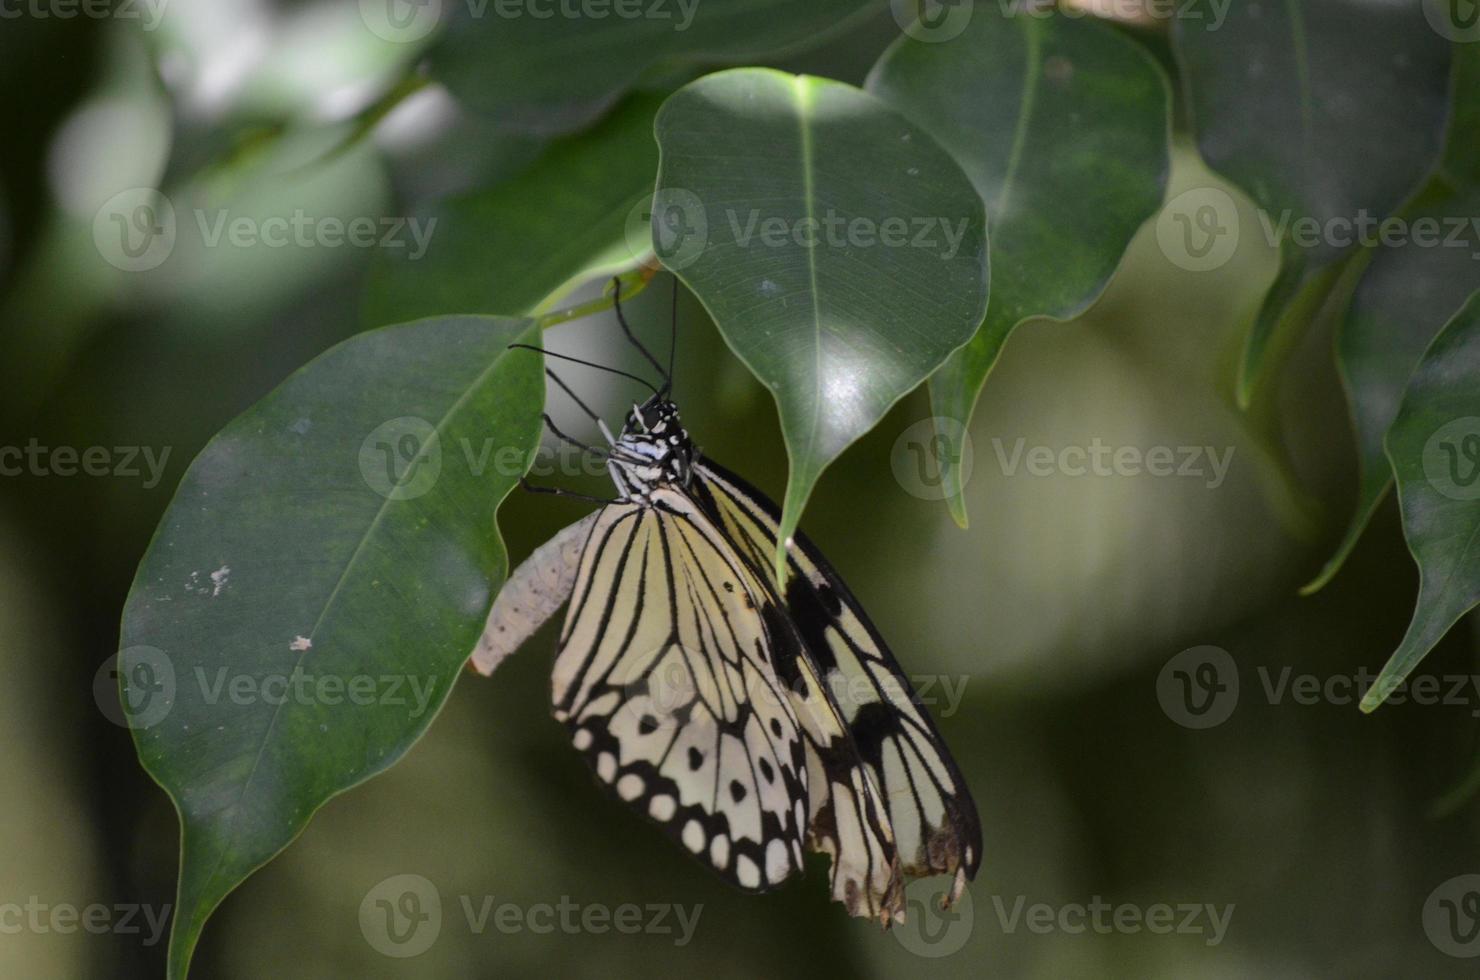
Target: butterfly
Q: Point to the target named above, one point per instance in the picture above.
(753, 719)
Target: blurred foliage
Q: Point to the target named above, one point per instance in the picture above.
(1058, 609)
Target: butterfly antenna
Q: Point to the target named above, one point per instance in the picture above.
(672, 339)
(622, 319)
(589, 364)
(573, 396)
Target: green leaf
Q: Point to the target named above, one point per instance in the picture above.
(841, 251)
(559, 73)
(317, 582)
(1062, 126)
(1413, 285)
(1434, 445)
(1322, 111)
(517, 247)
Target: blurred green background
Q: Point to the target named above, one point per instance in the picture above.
(1326, 832)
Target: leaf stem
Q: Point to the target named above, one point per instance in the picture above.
(633, 282)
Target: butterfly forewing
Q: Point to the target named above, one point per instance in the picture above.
(664, 680)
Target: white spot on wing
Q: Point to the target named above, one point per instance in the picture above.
(777, 861)
(662, 807)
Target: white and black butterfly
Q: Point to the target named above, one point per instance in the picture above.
(752, 720)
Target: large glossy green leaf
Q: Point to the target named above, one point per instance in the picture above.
(558, 73)
(314, 587)
(1062, 125)
(841, 251)
(1415, 282)
(1322, 111)
(517, 247)
(1434, 445)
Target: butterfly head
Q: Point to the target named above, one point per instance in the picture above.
(654, 449)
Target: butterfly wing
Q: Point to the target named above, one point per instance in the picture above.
(665, 682)
(935, 825)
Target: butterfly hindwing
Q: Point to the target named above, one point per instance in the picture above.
(933, 818)
(665, 682)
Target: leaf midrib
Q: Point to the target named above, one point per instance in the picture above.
(235, 808)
